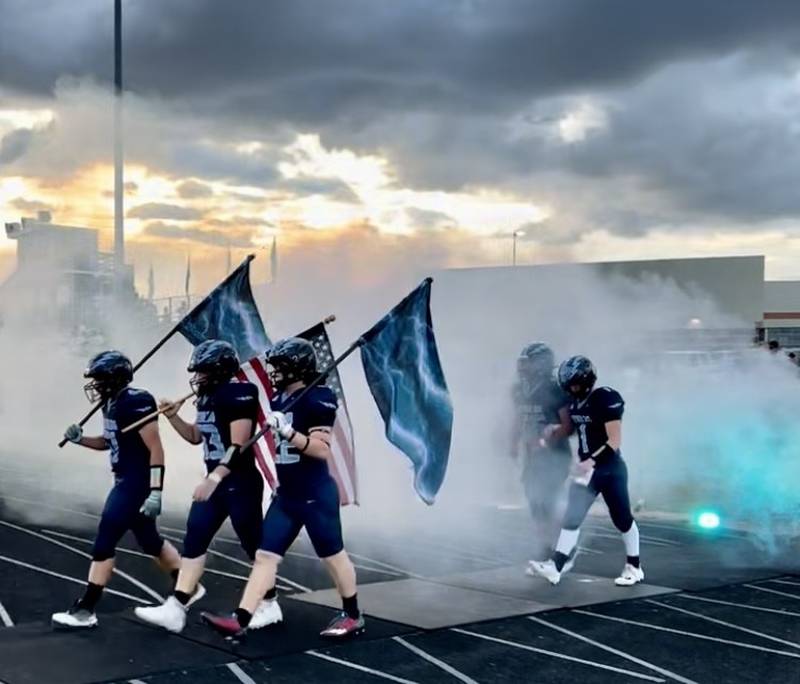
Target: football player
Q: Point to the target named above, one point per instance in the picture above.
(226, 419)
(539, 402)
(307, 495)
(137, 461)
(596, 414)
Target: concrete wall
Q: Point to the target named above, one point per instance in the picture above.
(782, 296)
(734, 284)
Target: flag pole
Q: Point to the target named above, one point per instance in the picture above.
(158, 346)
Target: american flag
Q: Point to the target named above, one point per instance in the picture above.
(343, 464)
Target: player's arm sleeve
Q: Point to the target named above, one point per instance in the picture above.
(322, 413)
(243, 405)
(613, 406)
(138, 407)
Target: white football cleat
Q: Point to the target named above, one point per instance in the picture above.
(546, 569)
(170, 615)
(630, 576)
(199, 593)
(74, 618)
(267, 613)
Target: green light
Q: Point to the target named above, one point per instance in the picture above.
(708, 520)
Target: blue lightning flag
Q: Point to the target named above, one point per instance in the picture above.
(229, 313)
(405, 376)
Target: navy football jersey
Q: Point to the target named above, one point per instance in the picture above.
(590, 416)
(215, 413)
(128, 453)
(299, 474)
(539, 407)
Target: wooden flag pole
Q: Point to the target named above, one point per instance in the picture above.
(154, 414)
(158, 346)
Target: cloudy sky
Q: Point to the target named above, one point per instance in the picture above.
(604, 130)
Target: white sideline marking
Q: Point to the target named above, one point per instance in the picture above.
(435, 661)
(309, 556)
(738, 605)
(131, 552)
(621, 654)
(381, 564)
(773, 591)
(787, 582)
(361, 668)
(39, 504)
(75, 580)
(240, 674)
(124, 575)
(562, 656)
(724, 624)
(5, 618)
(594, 532)
(233, 559)
(642, 535)
(694, 635)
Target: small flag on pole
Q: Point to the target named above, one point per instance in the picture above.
(188, 279)
(151, 284)
(273, 260)
(229, 313)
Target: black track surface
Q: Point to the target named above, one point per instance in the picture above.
(728, 612)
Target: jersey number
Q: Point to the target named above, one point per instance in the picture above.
(582, 437)
(110, 433)
(282, 454)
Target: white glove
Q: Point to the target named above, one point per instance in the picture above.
(152, 504)
(74, 433)
(278, 422)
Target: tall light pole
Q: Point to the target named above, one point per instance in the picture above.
(514, 236)
(119, 230)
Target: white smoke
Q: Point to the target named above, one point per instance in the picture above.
(717, 434)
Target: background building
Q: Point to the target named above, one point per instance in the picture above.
(62, 279)
(734, 303)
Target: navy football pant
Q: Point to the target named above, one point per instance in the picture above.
(120, 514)
(319, 514)
(610, 479)
(238, 496)
(543, 477)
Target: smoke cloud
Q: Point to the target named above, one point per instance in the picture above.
(699, 429)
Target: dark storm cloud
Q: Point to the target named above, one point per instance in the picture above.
(14, 144)
(221, 163)
(426, 220)
(365, 55)
(333, 189)
(30, 206)
(239, 221)
(433, 85)
(158, 210)
(233, 237)
(193, 189)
